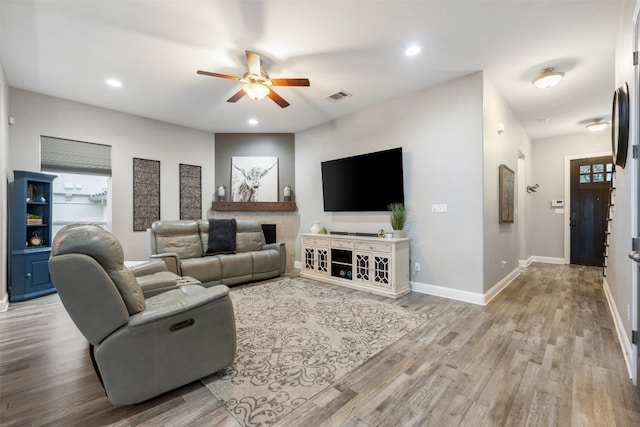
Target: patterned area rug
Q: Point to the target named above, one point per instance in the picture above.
(294, 339)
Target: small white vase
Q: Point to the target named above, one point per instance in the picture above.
(315, 227)
(398, 234)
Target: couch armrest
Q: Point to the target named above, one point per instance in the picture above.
(177, 301)
(171, 260)
(150, 267)
(280, 247)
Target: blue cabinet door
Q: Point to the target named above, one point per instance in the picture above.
(30, 275)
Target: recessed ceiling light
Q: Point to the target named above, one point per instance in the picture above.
(412, 50)
(252, 122)
(114, 83)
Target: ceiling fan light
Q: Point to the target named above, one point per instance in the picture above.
(597, 126)
(256, 91)
(547, 78)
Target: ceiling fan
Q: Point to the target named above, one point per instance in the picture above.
(257, 83)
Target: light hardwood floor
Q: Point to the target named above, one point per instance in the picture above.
(544, 352)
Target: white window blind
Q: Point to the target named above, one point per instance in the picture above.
(66, 155)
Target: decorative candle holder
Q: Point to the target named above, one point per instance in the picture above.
(221, 193)
(286, 193)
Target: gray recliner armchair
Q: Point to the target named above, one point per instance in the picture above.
(140, 347)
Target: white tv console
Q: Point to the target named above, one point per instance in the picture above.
(371, 264)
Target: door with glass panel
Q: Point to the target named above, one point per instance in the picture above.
(590, 186)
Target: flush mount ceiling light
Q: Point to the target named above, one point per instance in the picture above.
(253, 122)
(597, 125)
(547, 78)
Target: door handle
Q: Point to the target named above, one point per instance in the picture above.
(635, 256)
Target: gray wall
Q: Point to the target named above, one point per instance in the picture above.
(4, 179)
(442, 147)
(547, 227)
(621, 270)
(502, 242)
(280, 145)
(130, 136)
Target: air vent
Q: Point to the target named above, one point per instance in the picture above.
(338, 96)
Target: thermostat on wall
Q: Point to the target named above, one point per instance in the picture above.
(557, 203)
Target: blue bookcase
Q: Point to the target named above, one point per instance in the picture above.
(30, 235)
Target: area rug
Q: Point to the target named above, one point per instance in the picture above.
(295, 338)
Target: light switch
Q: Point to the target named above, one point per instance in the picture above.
(439, 208)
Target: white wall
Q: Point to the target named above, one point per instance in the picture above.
(546, 227)
(4, 177)
(130, 136)
(440, 130)
(502, 242)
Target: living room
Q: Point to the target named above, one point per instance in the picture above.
(451, 147)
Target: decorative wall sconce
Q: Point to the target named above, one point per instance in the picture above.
(532, 188)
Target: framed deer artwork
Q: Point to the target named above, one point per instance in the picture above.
(254, 179)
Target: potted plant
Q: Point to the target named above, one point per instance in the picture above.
(398, 216)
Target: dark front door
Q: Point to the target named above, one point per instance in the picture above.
(590, 183)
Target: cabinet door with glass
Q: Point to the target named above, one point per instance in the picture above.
(315, 255)
(373, 263)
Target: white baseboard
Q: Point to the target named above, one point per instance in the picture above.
(465, 296)
(524, 263)
(547, 259)
(4, 303)
(623, 336)
(441, 291)
(501, 285)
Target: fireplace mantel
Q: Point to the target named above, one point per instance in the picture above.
(254, 206)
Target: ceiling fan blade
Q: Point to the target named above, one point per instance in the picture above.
(224, 76)
(253, 61)
(239, 94)
(290, 82)
(278, 99)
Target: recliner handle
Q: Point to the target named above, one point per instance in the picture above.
(181, 325)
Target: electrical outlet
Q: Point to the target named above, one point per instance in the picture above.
(439, 208)
(417, 266)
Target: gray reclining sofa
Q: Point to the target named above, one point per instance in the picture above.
(184, 246)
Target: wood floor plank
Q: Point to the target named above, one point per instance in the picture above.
(544, 352)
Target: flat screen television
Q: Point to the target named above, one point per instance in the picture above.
(363, 183)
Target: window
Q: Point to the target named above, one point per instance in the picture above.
(67, 155)
(596, 173)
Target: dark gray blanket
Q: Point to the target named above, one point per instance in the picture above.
(222, 236)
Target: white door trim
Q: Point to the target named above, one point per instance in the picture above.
(567, 198)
